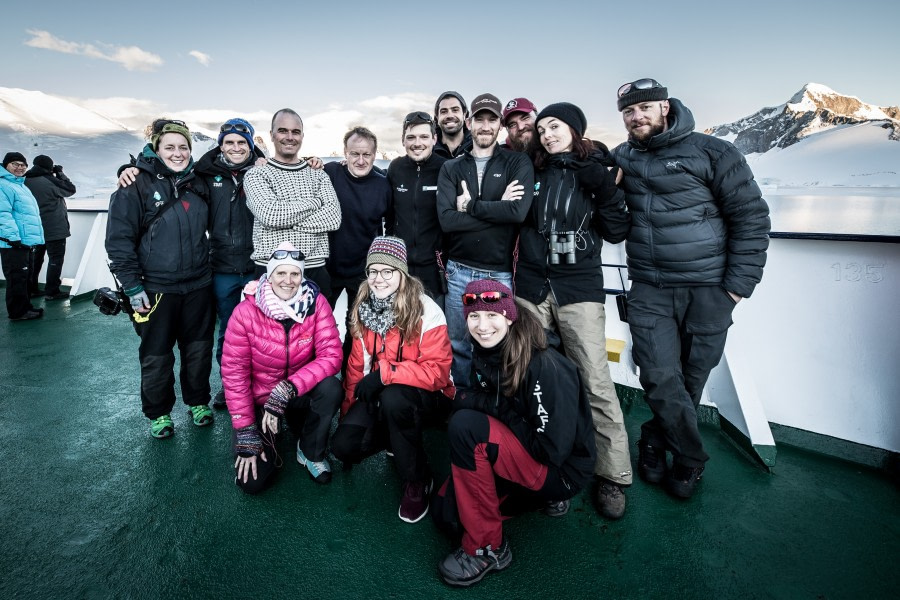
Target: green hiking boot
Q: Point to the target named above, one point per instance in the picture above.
(202, 415)
(162, 427)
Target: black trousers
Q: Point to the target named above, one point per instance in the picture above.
(185, 319)
(16, 263)
(56, 252)
(397, 423)
(339, 284)
(678, 336)
(309, 419)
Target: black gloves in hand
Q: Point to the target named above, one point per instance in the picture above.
(369, 387)
(597, 179)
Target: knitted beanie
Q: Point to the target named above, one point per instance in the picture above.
(505, 306)
(13, 157)
(451, 94)
(276, 262)
(388, 250)
(229, 127)
(633, 95)
(43, 161)
(568, 113)
(170, 128)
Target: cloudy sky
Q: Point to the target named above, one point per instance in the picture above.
(346, 63)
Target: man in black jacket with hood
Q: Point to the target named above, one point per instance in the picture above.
(453, 136)
(50, 188)
(697, 246)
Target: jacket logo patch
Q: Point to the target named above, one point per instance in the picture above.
(217, 184)
(159, 203)
(542, 413)
(429, 188)
(498, 174)
(218, 178)
(156, 196)
(401, 189)
(673, 164)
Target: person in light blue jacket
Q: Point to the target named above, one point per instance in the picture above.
(20, 229)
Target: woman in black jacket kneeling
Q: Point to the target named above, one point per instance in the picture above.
(522, 432)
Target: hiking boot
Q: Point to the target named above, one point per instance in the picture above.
(29, 315)
(651, 462)
(162, 427)
(683, 480)
(219, 400)
(414, 501)
(202, 415)
(319, 471)
(610, 499)
(463, 569)
(556, 508)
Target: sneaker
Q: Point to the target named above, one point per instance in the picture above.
(57, 296)
(556, 508)
(29, 315)
(463, 569)
(162, 427)
(319, 471)
(610, 499)
(651, 462)
(202, 415)
(683, 480)
(219, 400)
(414, 501)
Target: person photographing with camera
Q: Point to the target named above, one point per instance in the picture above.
(559, 278)
(159, 251)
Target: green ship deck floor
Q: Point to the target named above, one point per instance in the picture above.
(92, 507)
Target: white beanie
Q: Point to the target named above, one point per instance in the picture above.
(287, 260)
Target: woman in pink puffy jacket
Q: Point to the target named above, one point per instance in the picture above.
(282, 350)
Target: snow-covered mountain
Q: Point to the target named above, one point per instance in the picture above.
(820, 138)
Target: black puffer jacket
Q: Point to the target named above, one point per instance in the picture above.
(172, 254)
(550, 413)
(570, 195)
(698, 216)
(51, 190)
(230, 221)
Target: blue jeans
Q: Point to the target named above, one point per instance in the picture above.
(227, 289)
(458, 277)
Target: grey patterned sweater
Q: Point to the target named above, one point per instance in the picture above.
(291, 203)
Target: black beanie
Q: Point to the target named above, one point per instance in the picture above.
(568, 113)
(451, 94)
(43, 161)
(13, 157)
(634, 96)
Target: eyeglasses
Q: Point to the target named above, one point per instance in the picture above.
(283, 254)
(160, 123)
(640, 84)
(17, 165)
(386, 274)
(229, 127)
(417, 117)
(487, 297)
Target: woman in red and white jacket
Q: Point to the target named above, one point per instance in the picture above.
(282, 351)
(398, 373)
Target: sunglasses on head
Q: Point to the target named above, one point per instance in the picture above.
(640, 84)
(417, 117)
(489, 297)
(283, 254)
(160, 123)
(229, 127)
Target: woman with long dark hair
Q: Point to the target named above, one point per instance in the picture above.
(520, 433)
(560, 279)
(398, 373)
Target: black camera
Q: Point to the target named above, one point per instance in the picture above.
(111, 302)
(562, 244)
